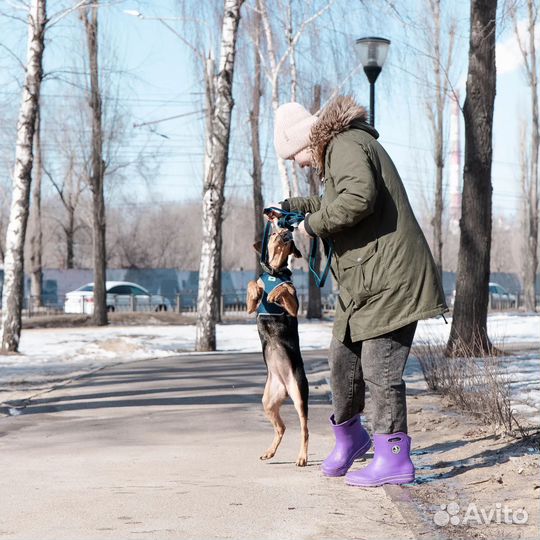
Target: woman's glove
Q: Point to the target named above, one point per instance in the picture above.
(273, 214)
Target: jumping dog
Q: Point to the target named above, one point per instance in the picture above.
(273, 296)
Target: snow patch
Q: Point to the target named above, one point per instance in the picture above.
(52, 354)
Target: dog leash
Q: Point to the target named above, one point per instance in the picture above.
(290, 221)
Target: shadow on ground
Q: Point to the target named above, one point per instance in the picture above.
(165, 383)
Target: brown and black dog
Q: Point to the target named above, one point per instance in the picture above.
(273, 296)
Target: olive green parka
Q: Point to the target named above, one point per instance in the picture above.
(382, 263)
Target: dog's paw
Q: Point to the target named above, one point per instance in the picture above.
(268, 455)
(301, 461)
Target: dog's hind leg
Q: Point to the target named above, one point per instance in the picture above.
(274, 395)
(298, 389)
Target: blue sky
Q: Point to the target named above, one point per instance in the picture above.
(161, 81)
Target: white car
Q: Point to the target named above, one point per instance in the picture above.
(499, 296)
(121, 296)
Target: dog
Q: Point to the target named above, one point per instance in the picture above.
(274, 298)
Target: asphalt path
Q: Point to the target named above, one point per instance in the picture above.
(169, 448)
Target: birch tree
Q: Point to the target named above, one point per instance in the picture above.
(13, 289)
(529, 176)
(440, 39)
(214, 184)
(36, 235)
(254, 123)
(469, 322)
(274, 62)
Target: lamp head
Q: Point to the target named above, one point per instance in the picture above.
(372, 53)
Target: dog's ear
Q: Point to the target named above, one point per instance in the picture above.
(257, 246)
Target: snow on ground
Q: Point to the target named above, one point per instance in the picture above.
(502, 328)
(59, 353)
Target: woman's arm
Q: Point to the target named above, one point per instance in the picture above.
(302, 204)
(350, 167)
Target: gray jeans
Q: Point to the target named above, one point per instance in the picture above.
(379, 363)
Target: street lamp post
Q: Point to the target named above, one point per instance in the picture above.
(372, 53)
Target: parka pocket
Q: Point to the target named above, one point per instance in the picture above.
(361, 275)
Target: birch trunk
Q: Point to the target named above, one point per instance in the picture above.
(209, 102)
(36, 235)
(437, 39)
(210, 106)
(275, 67)
(277, 63)
(13, 289)
(254, 121)
(97, 173)
(531, 259)
(214, 185)
(469, 324)
(294, 88)
(525, 210)
(438, 133)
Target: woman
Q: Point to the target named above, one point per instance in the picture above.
(386, 275)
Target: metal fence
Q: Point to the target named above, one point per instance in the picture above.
(511, 302)
(231, 303)
(234, 303)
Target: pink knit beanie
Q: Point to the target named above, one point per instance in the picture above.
(291, 129)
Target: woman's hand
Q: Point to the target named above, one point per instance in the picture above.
(272, 215)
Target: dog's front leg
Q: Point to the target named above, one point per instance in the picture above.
(254, 294)
(285, 296)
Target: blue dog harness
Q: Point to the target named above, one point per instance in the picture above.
(291, 220)
(272, 282)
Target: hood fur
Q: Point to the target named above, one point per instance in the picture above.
(336, 117)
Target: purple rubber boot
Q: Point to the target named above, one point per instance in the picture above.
(352, 442)
(391, 462)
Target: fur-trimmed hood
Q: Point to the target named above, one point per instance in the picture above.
(338, 116)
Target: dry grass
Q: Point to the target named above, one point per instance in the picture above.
(475, 385)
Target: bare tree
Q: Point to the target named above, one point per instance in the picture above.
(155, 235)
(70, 186)
(254, 122)
(440, 44)
(469, 323)
(530, 178)
(274, 62)
(293, 74)
(97, 169)
(13, 289)
(36, 234)
(214, 185)
(314, 310)
(504, 249)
